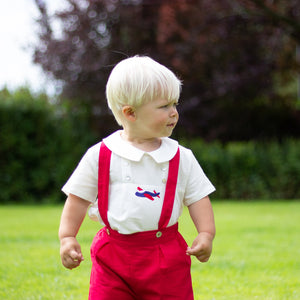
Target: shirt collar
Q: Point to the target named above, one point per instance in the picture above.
(117, 145)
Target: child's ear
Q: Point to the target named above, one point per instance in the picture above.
(129, 113)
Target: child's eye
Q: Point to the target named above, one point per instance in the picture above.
(174, 104)
(170, 104)
(165, 106)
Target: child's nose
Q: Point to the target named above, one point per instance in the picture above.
(173, 111)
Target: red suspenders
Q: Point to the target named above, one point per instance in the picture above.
(170, 192)
(103, 182)
(103, 186)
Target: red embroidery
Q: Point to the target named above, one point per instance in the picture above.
(147, 194)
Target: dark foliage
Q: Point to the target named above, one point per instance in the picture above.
(251, 170)
(234, 57)
(39, 147)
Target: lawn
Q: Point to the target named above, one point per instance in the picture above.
(256, 254)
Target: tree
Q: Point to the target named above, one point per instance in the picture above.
(283, 14)
(94, 38)
(229, 60)
(226, 52)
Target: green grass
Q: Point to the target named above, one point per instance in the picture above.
(256, 254)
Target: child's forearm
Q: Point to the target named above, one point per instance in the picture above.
(202, 215)
(72, 216)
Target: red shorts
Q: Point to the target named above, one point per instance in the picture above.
(150, 265)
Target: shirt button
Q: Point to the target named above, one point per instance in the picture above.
(164, 180)
(127, 178)
(164, 168)
(158, 234)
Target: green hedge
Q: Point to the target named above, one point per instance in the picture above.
(251, 170)
(40, 144)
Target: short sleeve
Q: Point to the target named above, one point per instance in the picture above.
(198, 185)
(84, 180)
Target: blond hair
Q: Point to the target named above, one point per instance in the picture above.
(137, 80)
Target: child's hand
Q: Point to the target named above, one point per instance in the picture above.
(201, 247)
(70, 252)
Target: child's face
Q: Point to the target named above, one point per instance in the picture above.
(156, 119)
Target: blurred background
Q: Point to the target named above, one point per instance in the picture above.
(239, 61)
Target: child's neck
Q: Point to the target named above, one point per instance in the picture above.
(144, 144)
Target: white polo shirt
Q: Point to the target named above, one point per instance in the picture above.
(137, 183)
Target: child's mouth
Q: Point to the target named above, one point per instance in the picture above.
(171, 125)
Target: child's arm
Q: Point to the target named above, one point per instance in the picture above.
(71, 219)
(202, 215)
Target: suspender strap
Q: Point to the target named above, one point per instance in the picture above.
(103, 186)
(103, 182)
(170, 192)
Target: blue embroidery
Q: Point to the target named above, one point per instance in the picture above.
(147, 194)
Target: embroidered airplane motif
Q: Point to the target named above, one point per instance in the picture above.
(147, 194)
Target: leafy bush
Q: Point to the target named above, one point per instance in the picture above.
(40, 144)
(251, 170)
